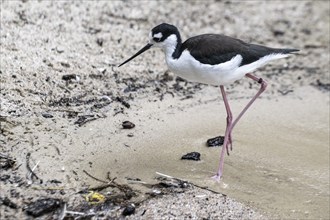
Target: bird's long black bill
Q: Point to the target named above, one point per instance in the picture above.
(146, 47)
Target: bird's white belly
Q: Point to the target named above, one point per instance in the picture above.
(192, 70)
(221, 74)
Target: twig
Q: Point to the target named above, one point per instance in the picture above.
(77, 213)
(111, 183)
(201, 187)
(83, 119)
(138, 181)
(51, 188)
(98, 188)
(167, 176)
(16, 168)
(62, 87)
(108, 176)
(35, 166)
(285, 92)
(65, 212)
(102, 181)
(29, 168)
(67, 110)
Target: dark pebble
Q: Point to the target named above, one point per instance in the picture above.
(55, 181)
(216, 141)
(99, 42)
(278, 33)
(133, 179)
(69, 77)
(65, 64)
(128, 125)
(191, 156)
(43, 206)
(129, 210)
(46, 115)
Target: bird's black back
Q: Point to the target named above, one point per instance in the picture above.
(214, 49)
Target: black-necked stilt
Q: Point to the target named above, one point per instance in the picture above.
(213, 59)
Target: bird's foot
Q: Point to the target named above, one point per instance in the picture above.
(216, 177)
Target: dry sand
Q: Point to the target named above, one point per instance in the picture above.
(279, 167)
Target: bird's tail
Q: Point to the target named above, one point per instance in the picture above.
(286, 51)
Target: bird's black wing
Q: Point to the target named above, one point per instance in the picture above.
(215, 49)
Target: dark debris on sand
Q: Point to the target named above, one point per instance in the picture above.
(215, 142)
(43, 206)
(191, 156)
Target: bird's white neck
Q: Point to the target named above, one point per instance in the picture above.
(169, 46)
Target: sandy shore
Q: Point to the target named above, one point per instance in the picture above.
(63, 102)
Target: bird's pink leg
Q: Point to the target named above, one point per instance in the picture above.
(227, 139)
(261, 90)
(231, 125)
(229, 120)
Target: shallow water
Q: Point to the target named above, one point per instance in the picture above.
(279, 164)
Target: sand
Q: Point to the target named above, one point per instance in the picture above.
(63, 101)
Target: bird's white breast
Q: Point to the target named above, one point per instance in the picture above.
(187, 67)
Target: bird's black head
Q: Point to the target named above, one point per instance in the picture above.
(163, 36)
(162, 32)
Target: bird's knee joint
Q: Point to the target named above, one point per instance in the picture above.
(263, 83)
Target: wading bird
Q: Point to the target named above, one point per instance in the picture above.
(216, 60)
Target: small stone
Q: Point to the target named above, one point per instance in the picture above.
(278, 33)
(59, 49)
(216, 141)
(191, 156)
(128, 125)
(46, 115)
(129, 210)
(99, 42)
(68, 77)
(65, 64)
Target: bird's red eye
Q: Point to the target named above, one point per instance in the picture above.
(157, 39)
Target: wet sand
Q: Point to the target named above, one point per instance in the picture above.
(267, 170)
(279, 167)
